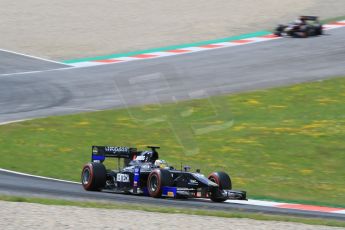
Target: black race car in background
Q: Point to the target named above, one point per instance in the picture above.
(303, 27)
(143, 173)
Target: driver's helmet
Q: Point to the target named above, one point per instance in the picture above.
(147, 157)
(302, 20)
(144, 156)
(298, 21)
(161, 164)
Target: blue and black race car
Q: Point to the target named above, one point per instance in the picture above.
(144, 173)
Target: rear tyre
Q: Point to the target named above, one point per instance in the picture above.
(157, 180)
(93, 176)
(224, 182)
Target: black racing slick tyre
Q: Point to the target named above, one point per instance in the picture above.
(157, 180)
(224, 182)
(319, 31)
(279, 30)
(93, 176)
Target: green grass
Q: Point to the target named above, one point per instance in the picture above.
(172, 210)
(284, 143)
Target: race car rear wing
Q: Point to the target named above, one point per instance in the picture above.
(311, 18)
(99, 153)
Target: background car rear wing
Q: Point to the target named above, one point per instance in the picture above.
(99, 153)
(311, 18)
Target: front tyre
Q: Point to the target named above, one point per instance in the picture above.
(157, 180)
(224, 182)
(319, 30)
(93, 176)
(279, 30)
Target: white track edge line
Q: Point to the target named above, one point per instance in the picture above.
(40, 71)
(40, 177)
(31, 56)
(14, 121)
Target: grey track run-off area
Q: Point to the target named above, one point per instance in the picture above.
(36, 216)
(63, 29)
(15, 63)
(221, 71)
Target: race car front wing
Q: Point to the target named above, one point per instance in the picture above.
(188, 192)
(234, 195)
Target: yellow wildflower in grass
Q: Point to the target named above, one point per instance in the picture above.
(317, 134)
(306, 171)
(65, 149)
(188, 112)
(83, 123)
(276, 165)
(312, 133)
(277, 106)
(296, 88)
(40, 129)
(325, 186)
(326, 100)
(151, 121)
(215, 122)
(239, 127)
(228, 149)
(45, 145)
(244, 141)
(284, 130)
(289, 121)
(123, 119)
(252, 102)
(218, 122)
(321, 127)
(324, 121)
(218, 165)
(313, 126)
(240, 181)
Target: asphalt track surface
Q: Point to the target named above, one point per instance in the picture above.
(30, 186)
(64, 90)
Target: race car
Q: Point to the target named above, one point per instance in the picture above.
(303, 27)
(143, 173)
